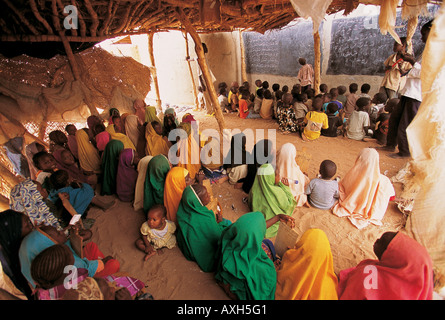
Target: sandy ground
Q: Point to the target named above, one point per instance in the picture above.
(169, 276)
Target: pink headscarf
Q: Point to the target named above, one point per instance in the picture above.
(404, 272)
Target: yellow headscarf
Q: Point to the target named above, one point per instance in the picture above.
(155, 143)
(173, 188)
(120, 136)
(307, 271)
(88, 155)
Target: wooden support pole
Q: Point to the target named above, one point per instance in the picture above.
(203, 65)
(187, 54)
(243, 58)
(317, 63)
(153, 71)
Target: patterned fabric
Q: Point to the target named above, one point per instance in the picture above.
(57, 292)
(133, 285)
(26, 198)
(287, 120)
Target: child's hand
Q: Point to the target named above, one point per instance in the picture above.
(287, 219)
(285, 181)
(64, 196)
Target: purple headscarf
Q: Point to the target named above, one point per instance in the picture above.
(126, 176)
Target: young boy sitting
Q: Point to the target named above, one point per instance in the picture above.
(46, 164)
(358, 123)
(322, 192)
(334, 121)
(156, 233)
(351, 100)
(382, 121)
(378, 102)
(314, 121)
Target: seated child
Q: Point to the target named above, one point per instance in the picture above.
(299, 107)
(334, 121)
(233, 99)
(358, 123)
(382, 121)
(378, 102)
(46, 164)
(341, 95)
(323, 88)
(322, 192)
(364, 90)
(80, 195)
(223, 102)
(333, 94)
(72, 141)
(314, 121)
(258, 100)
(351, 100)
(157, 232)
(243, 109)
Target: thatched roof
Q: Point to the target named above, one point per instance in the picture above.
(33, 21)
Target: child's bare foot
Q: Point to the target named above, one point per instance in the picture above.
(149, 255)
(306, 204)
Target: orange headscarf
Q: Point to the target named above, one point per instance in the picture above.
(364, 191)
(155, 143)
(173, 187)
(404, 272)
(307, 271)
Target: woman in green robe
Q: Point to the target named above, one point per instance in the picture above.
(244, 269)
(270, 197)
(157, 170)
(198, 228)
(110, 160)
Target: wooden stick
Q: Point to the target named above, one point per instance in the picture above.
(243, 58)
(317, 62)
(93, 14)
(153, 71)
(21, 17)
(36, 12)
(187, 54)
(203, 65)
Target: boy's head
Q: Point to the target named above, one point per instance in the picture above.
(157, 127)
(71, 129)
(267, 94)
(258, 83)
(380, 98)
(310, 93)
(400, 47)
(259, 93)
(202, 193)
(341, 90)
(391, 104)
(328, 169)
(365, 88)
(275, 87)
(363, 103)
(285, 89)
(265, 85)
(44, 161)
(222, 91)
(302, 61)
(353, 87)
(58, 137)
(287, 99)
(156, 216)
(59, 179)
(317, 104)
(323, 87)
(332, 108)
(67, 158)
(334, 93)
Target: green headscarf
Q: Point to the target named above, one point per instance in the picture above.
(110, 162)
(157, 170)
(270, 199)
(243, 263)
(198, 232)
